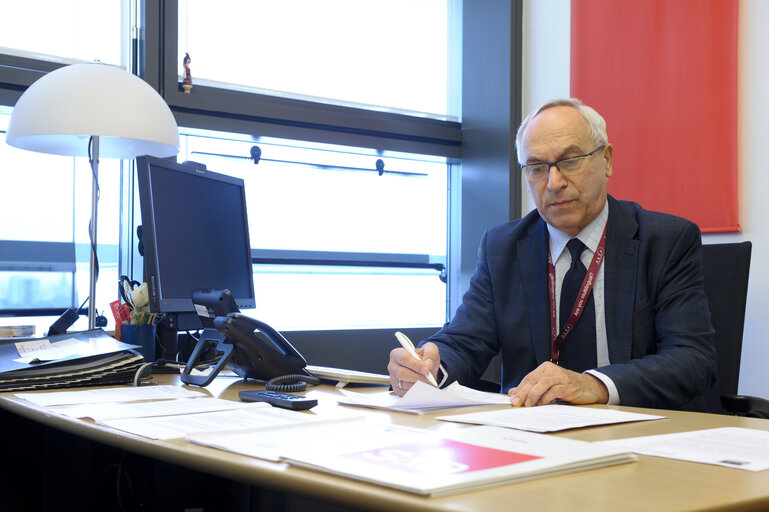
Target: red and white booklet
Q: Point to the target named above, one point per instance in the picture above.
(426, 462)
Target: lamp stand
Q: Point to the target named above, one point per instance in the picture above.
(58, 112)
(94, 207)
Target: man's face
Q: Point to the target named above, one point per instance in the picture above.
(568, 202)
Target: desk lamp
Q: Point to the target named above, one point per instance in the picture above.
(95, 110)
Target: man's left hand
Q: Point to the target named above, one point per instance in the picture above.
(549, 382)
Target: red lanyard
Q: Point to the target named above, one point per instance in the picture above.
(557, 338)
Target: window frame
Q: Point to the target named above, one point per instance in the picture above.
(481, 140)
(17, 73)
(238, 111)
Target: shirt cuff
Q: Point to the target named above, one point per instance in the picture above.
(443, 375)
(613, 393)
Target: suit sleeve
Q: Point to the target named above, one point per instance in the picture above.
(673, 355)
(469, 341)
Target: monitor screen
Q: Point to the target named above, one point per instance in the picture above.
(195, 235)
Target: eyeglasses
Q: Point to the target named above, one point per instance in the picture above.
(567, 166)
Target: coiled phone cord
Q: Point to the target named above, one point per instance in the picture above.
(290, 383)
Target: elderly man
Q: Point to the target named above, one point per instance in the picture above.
(587, 298)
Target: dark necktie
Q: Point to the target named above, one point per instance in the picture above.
(578, 352)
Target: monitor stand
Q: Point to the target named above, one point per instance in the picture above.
(166, 347)
(169, 346)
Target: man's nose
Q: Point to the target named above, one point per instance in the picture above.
(555, 179)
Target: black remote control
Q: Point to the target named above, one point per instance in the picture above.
(278, 399)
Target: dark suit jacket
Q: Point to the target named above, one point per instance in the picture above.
(658, 326)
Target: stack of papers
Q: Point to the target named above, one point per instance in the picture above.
(423, 398)
(163, 412)
(88, 358)
(416, 460)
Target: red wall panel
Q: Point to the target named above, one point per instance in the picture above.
(663, 73)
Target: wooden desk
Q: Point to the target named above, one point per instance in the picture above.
(650, 484)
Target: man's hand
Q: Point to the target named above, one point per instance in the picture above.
(549, 382)
(405, 370)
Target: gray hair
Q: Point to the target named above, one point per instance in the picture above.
(593, 118)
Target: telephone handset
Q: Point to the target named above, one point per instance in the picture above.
(248, 355)
(256, 359)
(251, 348)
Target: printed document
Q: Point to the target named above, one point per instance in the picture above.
(113, 411)
(732, 447)
(548, 418)
(116, 394)
(172, 427)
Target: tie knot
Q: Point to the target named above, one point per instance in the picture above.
(575, 247)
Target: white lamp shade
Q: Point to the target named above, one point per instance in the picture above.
(59, 112)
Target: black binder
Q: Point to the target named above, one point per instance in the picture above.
(102, 361)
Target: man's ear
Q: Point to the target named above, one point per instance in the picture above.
(608, 154)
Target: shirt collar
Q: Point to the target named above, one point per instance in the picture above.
(590, 236)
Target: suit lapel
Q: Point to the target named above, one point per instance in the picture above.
(532, 255)
(619, 281)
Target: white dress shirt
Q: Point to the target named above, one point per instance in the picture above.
(591, 237)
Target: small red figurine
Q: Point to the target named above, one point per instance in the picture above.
(187, 81)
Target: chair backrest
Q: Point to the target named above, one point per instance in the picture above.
(726, 268)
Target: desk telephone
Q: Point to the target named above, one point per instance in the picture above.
(250, 348)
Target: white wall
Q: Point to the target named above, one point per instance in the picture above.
(546, 76)
(546, 58)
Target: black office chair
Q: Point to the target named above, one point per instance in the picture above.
(726, 268)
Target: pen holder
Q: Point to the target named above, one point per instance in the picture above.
(142, 335)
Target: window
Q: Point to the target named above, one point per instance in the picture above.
(44, 243)
(70, 29)
(331, 208)
(384, 53)
(338, 244)
(44, 247)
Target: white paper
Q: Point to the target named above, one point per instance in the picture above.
(171, 427)
(269, 443)
(44, 350)
(25, 348)
(423, 398)
(111, 411)
(732, 447)
(548, 418)
(116, 394)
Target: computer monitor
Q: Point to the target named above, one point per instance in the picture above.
(195, 235)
